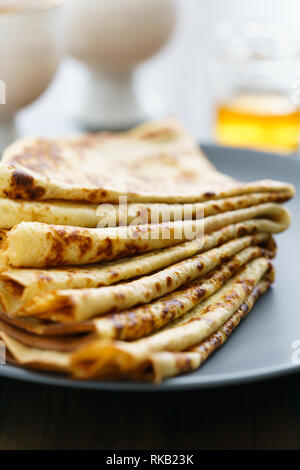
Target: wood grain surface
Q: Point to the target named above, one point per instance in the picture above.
(264, 415)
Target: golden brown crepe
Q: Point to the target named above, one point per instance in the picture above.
(144, 359)
(82, 214)
(52, 343)
(77, 305)
(18, 285)
(168, 364)
(141, 320)
(56, 245)
(40, 327)
(156, 162)
(36, 358)
(101, 358)
(187, 275)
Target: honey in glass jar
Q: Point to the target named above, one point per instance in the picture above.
(257, 103)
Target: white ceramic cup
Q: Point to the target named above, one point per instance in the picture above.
(30, 51)
(112, 38)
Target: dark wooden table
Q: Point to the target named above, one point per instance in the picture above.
(263, 415)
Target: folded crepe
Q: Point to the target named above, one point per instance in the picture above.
(195, 248)
(82, 214)
(35, 358)
(18, 285)
(167, 364)
(114, 359)
(138, 321)
(160, 366)
(156, 356)
(76, 305)
(141, 321)
(56, 245)
(52, 343)
(155, 162)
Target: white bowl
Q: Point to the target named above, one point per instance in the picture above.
(111, 38)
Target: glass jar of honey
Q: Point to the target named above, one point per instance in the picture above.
(256, 70)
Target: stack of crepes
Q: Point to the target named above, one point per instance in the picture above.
(102, 277)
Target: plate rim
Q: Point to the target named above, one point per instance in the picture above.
(174, 384)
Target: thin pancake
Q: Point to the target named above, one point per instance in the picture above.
(58, 343)
(137, 322)
(123, 358)
(40, 327)
(36, 358)
(97, 360)
(157, 162)
(80, 304)
(141, 321)
(168, 364)
(61, 245)
(13, 212)
(17, 285)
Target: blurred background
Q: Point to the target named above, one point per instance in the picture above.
(229, 69)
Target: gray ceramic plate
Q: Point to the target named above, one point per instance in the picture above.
(261, 347)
